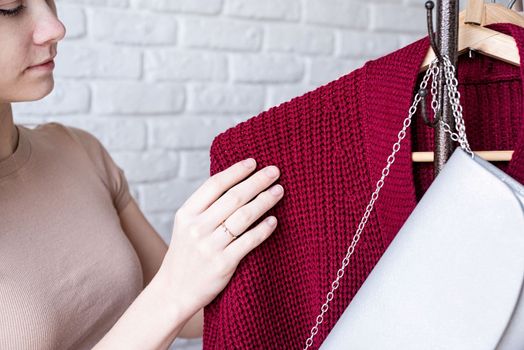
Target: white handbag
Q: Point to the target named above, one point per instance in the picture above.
(452, 278)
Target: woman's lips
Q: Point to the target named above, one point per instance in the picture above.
(50, 65)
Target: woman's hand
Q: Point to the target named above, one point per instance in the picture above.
(203, 255)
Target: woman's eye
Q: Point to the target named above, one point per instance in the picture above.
(12, 12)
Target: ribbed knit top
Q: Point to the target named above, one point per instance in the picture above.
(331, 145)
(67, 269)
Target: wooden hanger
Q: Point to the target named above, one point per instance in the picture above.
(472, 36)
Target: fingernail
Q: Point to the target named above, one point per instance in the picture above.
(276, 190)
(248, 163)
(271, 220)
(271, 171)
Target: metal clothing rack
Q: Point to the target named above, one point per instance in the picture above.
(445, 42)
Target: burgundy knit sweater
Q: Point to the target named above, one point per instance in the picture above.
(331, 145)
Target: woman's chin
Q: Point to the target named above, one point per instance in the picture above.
(36, 90)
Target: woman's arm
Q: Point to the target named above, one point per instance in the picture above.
(151, 249)
(152, 321)
(148, 244)
(211, 234)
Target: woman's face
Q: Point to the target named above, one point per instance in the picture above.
(29, 33)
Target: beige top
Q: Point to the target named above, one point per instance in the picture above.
(67, 269)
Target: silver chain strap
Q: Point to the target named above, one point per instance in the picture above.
(454, 96)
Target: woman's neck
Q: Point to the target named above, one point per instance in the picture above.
(8, 132)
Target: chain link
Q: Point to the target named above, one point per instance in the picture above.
(454, 97)
(451, 82)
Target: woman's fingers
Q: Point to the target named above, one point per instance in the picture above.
(216, 185)
(245, 216)
(201, 259)
(244, 244)
(239, 195)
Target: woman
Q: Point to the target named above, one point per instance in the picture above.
(80, 266)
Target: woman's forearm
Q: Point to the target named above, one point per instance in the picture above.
(150, 322)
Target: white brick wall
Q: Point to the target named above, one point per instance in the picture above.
(156, 80)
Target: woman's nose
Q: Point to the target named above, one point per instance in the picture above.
(48, 28)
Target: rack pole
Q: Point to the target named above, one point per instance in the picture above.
(447, 41)
(518, 6)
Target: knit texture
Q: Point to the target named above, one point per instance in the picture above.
(331, 145)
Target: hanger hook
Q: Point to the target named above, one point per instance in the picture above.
(423, 110)
(511, 4)
(429, 15)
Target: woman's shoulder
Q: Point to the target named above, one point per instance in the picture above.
(78, 144)
(60, 133)
(69, 139)
(65, 130)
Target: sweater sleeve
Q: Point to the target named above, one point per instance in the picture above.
(112, 175)
(273, 297)
(238, 318)
(228, 148)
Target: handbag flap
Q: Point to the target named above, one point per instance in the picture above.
(452, 276)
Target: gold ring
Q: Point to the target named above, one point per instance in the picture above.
(227, 230)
